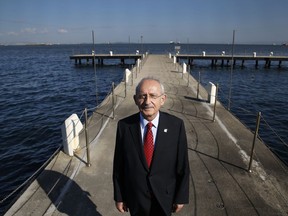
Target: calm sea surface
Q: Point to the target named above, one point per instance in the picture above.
(41, 87)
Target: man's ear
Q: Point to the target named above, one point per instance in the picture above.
(135, 100)
(163, 99)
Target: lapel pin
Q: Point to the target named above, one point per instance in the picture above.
(165, 130)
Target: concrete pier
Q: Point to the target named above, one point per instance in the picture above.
(267, 60)
(99, 58)
(219, 152)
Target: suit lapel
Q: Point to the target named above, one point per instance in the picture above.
(160, 138)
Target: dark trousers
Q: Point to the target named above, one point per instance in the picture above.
(155, 209)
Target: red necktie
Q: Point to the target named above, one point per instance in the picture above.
(148, 144)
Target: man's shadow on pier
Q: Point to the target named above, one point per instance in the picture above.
(66, 195)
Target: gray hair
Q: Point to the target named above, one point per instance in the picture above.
(149, 78)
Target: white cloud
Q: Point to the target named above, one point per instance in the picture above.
(29, 30)
(43, 31)
(62, 31)
(12, 33)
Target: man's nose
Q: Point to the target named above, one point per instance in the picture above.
(148, 99)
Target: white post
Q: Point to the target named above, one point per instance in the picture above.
(184, 68)
(127, 74)
(70, 134)
(212, 96)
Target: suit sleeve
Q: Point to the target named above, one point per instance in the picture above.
(183, 170)
(118, 170)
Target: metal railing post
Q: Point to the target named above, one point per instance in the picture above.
(132, 77)
(132, 68)
(125, 85)
(113, 101)
(88, 164)
(182, 70)
(254, 140)
(188, 75)
(198, 84)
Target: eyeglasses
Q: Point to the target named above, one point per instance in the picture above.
(145, 96)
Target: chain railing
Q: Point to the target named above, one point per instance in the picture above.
(33, 176)
(106, 109)
(260, 118)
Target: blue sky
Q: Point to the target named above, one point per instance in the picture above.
(196, 21)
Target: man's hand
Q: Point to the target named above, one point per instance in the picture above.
(121, 206)
(177, 207)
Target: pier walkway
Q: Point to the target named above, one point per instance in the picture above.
(218, 154)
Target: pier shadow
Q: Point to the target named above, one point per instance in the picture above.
(175, 71)
(196, 115)
(74, 202)
(188, 114)
(196, 99)
(79, 158)
(218, 159)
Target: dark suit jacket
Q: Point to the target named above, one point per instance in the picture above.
(168, 177)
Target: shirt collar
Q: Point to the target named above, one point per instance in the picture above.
(155, 121)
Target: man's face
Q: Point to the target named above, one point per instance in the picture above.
(149, 99)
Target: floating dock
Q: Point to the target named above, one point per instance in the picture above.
(224, 60)
(219, 153)
(100, 58)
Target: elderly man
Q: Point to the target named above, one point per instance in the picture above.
(151, 168)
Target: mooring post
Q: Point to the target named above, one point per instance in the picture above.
(138, 65)
(88, 164)
(254, 140)
(216, 95)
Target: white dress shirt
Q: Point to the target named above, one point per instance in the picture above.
(144, 122)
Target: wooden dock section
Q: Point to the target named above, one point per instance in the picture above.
(99, 58)
(219, 153)
(222, 60)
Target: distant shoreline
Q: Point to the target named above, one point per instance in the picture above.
(133, 43)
